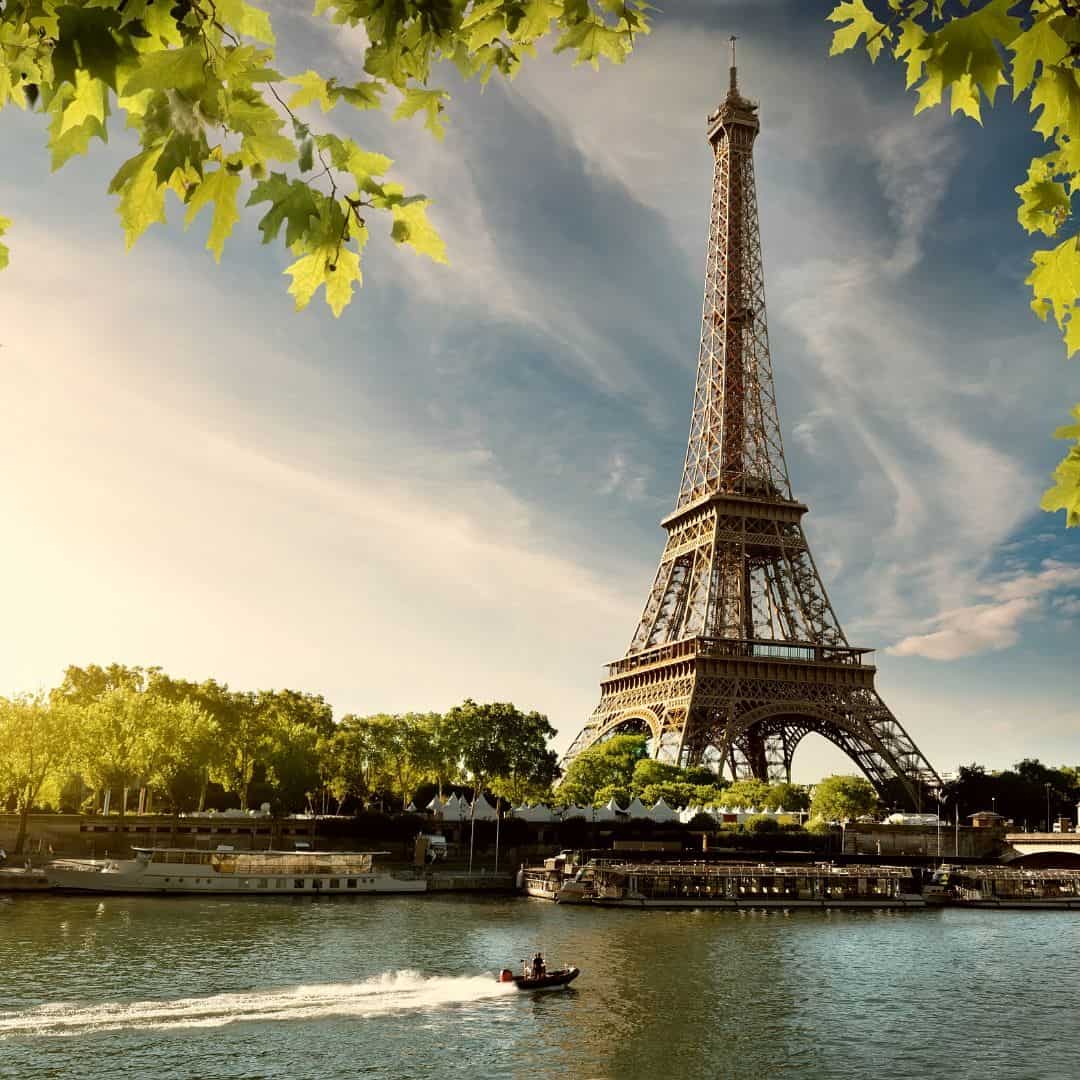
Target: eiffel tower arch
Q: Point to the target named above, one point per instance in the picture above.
(738, 654)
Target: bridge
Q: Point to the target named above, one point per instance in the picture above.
(1041, 848)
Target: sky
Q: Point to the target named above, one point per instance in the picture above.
(454, 490)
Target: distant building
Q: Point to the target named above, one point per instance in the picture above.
(986, 819)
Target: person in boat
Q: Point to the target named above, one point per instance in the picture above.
(539, 969)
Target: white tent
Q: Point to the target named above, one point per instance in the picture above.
(662, 812)
(689, 813)
(614, 807)
(637, 809)
(435, 806)
(604, 813)
(540, 812)
(455, 809)
(411, 809)
(577, 811)
(484, 810)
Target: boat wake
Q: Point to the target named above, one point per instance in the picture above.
(398, 991)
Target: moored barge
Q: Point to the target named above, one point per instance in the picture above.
(741, 885)
(1004, 887)
(239, 873)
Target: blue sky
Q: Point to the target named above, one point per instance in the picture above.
(455, 489)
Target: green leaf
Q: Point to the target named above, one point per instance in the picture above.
(912, 45)
(86, 40)
(361, 95)
(142, 194)
(1055, 280)
(313, 88)
(536, 19)
(361, 164)
(964, 49)
(76, 140)
(1044, 203)
(220, 188)
(1039, 44)
(89, 102)
(593, 39)
(1057, 94)
(168, 69)
(860, 20)
(412, 227)
(1065, 494)
(246, 19)
(291, 202)
(430, 101)
(333, 268)
(5, 224)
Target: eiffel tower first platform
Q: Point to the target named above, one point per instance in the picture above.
(739, 654)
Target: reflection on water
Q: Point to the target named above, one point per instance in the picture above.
(397, 987)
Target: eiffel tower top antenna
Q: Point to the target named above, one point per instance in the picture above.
(734, 88)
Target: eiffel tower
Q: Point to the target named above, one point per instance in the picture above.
(738, 654)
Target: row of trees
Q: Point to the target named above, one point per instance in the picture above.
(1030, 793)
(620, 768)
(105, 732)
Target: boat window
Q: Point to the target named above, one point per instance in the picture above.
(351, 883)
(261, 883)
(334, 883)
(298, 883)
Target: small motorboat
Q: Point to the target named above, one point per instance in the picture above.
(548, 980)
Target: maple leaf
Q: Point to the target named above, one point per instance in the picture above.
(1055, 278)
(142, 194)
(860, 20)
(412, 227)
(1065, 494)
(430, 101)
(1041, 43)
(291, 202)
(168, 69)
(221, 189)
(1043, 202)
(1057, 94)
(313, 87)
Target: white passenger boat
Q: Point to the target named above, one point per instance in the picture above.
(244, 873)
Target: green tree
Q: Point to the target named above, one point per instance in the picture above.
(295, 722)
(177, 745)
(245, 737)
(352, 759)
(35, 745)
(843, 798)
(619, 792)
(497, 744)
(196, 82)
(610, 762)
(649, 771)
(748, 793)
(970, 50)
(786, 796)
(110, 740)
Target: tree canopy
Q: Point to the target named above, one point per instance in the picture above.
(843, 798)
(970, 50)
(214, 119)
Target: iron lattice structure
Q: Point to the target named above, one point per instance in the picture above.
(738, 654)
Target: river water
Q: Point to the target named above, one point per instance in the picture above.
(403, 987)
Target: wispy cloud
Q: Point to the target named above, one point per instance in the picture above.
(998, 622)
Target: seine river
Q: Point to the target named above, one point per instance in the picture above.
(403, 987)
